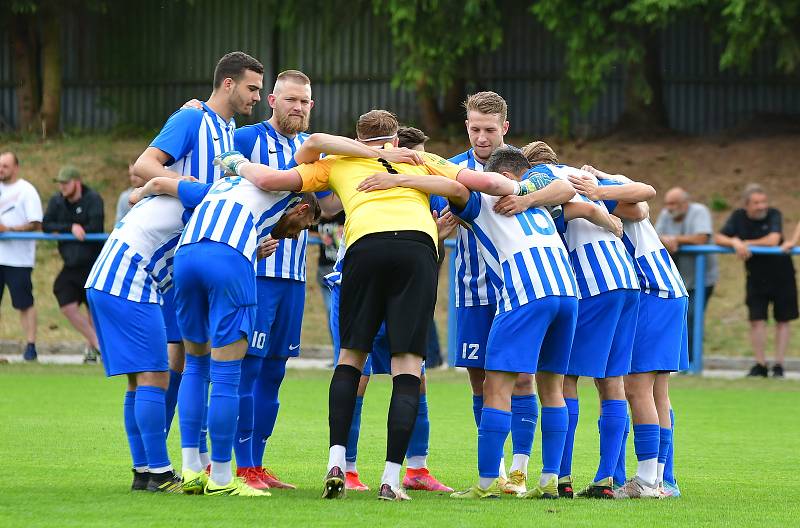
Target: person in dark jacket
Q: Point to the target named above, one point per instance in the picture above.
(78, 210)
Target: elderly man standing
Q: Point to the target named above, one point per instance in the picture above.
(770, 278)
(20, 210)
(685, 223)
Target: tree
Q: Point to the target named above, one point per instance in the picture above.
(431, 39)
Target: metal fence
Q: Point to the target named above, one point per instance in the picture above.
(698, 324)
(122, 70)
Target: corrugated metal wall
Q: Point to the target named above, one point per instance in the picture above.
(135, 68)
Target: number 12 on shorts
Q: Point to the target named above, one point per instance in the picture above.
(470, 350)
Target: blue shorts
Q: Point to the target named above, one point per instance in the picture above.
(661, 338)
(131, 335)
(279, 318)
(170, 316)
(473, 324)
(379, 360)
(604, 334)
(215, 293)
(536, 336)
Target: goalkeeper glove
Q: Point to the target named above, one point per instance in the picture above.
(230, 161)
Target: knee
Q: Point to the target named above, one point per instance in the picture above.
(523, 385)
(476, 379)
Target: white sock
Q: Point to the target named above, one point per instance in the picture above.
(221, 473)
(164, 469)
(545, 478)
(140, 469)
(520, 463)
(417, 462)
(660, 472)
(350, 467)
(391, 475)
(503, 468)
(205, 459)
(190, 457)
(485, 482)
(647, 470)
(336, 456)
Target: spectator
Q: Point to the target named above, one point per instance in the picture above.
(793, 241)
(122, 202)
(770, 278)
(685, 223)
(20, 210)
(75, 209)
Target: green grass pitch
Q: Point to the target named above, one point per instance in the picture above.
(64, 459)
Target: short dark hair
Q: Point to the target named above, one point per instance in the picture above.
(13, 156)
(507, 159)
(410, 137)
(233, 65)
(313, 202)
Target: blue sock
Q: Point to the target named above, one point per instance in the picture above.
(351, 452)
(477, 409)
(192, 398)
(620, 474)
(573, 410)
(203, 441)
(646, 439)
(150, 415)
(669, 465)
(613, 415)
(138, 454)
(420, 435)
(664, 443)
(266, 404)
(243, 447)
(223, 407)
(171, 399)
(492, 434)
(555, 426)
(524, 415)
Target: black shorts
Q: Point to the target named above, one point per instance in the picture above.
(19, 285)
(69, 285)
(782, 295)
(388, 276)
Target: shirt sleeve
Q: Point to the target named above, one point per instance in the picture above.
(730, 227)
(191, 193)
(437, 203)
(439, 166)
(701, 222)
(610, 204)
(179, 133)
(315, 175)
(32, 205)
(775, 221)
(471, 209)
(244, 140)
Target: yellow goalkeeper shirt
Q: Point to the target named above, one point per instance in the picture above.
(397, 209)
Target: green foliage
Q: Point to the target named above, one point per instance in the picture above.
(718, 203)
(749, 24)
(431, 37)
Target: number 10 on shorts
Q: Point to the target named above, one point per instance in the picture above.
(259, 340)
(470, 350)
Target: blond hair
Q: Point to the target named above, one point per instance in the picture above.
(487, 103)
(376, 124)
(539, 152)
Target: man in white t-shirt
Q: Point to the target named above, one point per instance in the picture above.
(20, 210)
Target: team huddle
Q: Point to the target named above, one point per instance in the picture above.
(198, 297)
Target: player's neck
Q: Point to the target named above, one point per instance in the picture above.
(273, 122)
(220, 107)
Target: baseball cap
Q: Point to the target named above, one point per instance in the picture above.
(67, 173)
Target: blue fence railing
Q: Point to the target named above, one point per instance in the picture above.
(698, 326)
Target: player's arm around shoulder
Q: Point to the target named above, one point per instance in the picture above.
(429, 184)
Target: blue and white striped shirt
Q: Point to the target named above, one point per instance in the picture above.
(657, 273)
(525, 257)
(237, 213)
(136, 260)
(599, 259)
(261, 143)
(472, 286)
(192, 138)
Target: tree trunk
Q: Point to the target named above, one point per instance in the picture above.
(25, 49)
(645, 112)
(51, 70)
(428, 109)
